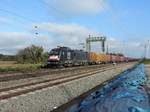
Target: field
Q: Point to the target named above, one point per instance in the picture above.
(146, 61)
(12, 66)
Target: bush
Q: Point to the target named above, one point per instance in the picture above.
(33, 54)
(146, 61)
(45, 57)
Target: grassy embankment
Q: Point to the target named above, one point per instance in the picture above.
(146, 61)
(12, 66)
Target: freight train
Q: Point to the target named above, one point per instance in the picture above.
(64, 56)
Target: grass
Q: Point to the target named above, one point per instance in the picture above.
(12, 66)
(146, 61)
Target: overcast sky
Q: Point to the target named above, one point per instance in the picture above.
(125, 23)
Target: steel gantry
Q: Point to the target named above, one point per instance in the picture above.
(90, 39)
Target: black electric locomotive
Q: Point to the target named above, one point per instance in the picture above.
(64, 56)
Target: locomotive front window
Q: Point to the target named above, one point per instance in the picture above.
(54, 52)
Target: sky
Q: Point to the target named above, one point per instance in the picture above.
(52, 23)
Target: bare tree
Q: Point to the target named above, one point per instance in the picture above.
(32, 54)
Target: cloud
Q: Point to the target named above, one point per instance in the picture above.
(2, 19)
(70, 35)
(5, 20)
(49, 36)
(67, 34)
(129, 48)
(73, 34)
(11, 42)
(78, 7)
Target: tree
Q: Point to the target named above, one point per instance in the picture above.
(32, 54)
(45, 57)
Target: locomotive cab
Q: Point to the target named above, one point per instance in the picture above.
(54, 56)
(60, 56)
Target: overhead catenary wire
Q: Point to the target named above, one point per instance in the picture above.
(53, 8)
(21, 16)
(22, 20)
(24, 26)
(29, 19)
(17, 15)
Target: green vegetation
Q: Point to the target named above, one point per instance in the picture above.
(29, 59)
(11, 66)
(33, 55)
(146, 61)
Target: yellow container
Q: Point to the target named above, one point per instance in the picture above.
(99, 58)
(93, 57)
(103, 58)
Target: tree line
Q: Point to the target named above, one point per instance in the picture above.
(32, 54)
(7, 57)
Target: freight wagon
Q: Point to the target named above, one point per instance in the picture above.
(64, 56)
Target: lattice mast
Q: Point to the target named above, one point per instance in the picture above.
(90, 39)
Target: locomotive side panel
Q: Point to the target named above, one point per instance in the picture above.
(80, 57)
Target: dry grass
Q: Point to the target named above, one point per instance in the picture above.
(146, 61)
(7, 63)
(12, 66)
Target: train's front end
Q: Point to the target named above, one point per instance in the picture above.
(54, 57)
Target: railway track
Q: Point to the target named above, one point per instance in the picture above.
(57, 77)
(26, 81)
(5, 85)
(33, 86)
(17, 76)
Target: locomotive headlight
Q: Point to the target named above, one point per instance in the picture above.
(58, 58)
(54, 58)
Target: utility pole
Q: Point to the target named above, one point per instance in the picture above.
(107, 50)
(146, 48)
(124, 48)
